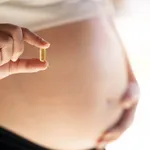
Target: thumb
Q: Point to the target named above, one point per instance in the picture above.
(22, 66)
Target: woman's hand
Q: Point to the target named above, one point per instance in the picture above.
(12, 40)
(129, 103)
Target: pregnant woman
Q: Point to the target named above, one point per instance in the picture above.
(85, 98)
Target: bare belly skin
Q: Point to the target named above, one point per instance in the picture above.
(69, 105)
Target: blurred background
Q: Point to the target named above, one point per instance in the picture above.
(134, 28)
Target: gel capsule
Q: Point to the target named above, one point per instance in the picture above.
(42, 55)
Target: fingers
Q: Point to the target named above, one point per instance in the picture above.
(129, 104)
(12, 40)
(19, 35)
(131, 96)
(22, 66)
(27, 66)
(6, 48)
(115, 132)
(123, 124)
(16, 33)
(34, 39)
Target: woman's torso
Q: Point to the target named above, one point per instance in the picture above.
(77, 98)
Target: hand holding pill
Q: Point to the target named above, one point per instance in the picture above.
(12, 40)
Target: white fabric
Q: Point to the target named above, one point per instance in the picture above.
(39, 14)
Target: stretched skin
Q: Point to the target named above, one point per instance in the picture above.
(69, 105)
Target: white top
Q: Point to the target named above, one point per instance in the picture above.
(39, 14)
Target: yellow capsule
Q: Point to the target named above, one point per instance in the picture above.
(42, 55)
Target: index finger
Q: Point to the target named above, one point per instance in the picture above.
(33, 39)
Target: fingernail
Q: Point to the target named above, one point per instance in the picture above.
(14, 59)
(111, 136)
(107, 136)
(129, 103)
(46, 66)
(46, 44)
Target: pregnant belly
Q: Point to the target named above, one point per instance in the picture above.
(69, 105)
